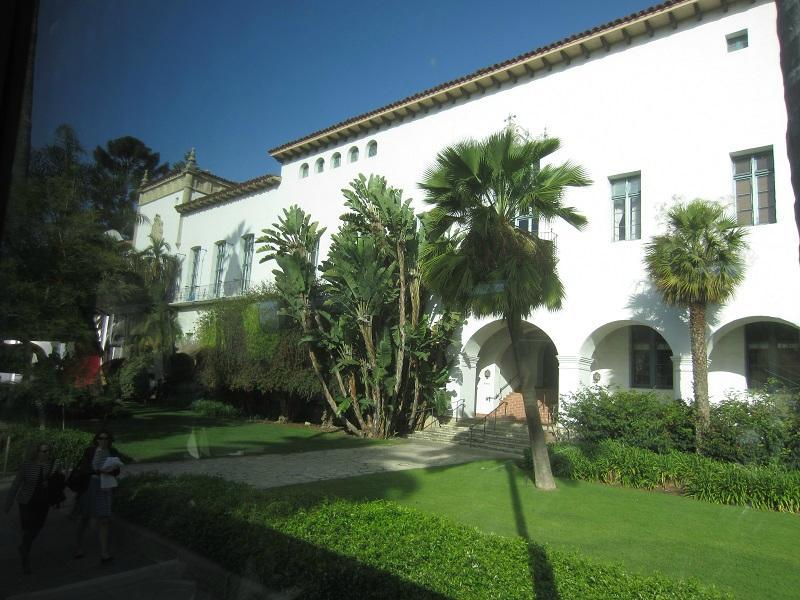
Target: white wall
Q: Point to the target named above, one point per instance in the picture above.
(672, 107)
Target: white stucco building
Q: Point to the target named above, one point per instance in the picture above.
(679, 101)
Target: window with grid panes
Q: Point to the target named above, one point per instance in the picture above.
(219, 269)
(529, 223)
(195, 265)
(247, 260)
(626, 201)
(651, 359)
(754, 187)
(772, 352)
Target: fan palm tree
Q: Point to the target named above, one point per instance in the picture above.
(699, 261)
(477, 260)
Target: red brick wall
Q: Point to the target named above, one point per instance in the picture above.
(516, 406)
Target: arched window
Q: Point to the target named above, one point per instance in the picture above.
(336, 160)
(353, 154)
(319, 166)
(304, 170)
(372, 148)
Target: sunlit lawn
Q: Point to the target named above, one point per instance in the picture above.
(157, 434)
(754, 554)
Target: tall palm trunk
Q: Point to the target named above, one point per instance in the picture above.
(789, 38)
(697, 335)
(543, 474)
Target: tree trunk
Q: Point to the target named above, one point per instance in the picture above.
(318, 372)
(327, 393)
(697, 335)
(543, 474)
(789, 37)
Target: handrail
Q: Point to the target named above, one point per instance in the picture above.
(508, 384)
(453, 410)
(462, 404)
(422, 411)
(493, 414)
(482, 423)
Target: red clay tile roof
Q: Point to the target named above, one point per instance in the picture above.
(239, 189)
(664, 6)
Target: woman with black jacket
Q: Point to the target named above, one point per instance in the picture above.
(30, 491)
(94, 500)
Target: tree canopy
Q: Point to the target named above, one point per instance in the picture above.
(477, 259)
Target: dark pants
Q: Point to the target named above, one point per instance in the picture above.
(31, 516)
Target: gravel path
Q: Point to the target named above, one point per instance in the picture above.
(276, 470)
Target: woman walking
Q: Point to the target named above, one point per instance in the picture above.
(30, 491)
(99, 464)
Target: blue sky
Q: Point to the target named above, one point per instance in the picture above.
(234, 78)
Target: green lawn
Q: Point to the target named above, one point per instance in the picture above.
(753, 554)
(158, 433)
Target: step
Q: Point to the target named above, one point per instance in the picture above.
(515, 445)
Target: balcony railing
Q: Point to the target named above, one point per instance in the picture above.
(201, 293)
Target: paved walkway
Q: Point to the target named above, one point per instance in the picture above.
(51, 555)
(276, 470)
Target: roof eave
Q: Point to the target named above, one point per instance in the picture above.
(601, 38)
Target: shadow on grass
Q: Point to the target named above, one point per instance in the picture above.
(258, 551)
(539, 567)
(155, 434)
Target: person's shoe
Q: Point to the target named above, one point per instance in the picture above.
(106, 560)
(78, 555)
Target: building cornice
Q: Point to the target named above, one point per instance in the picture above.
(560, 53)
(246, 187)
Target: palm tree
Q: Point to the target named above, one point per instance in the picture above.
(699, 261)
(788, 12)
(477, 260)
(156, 327)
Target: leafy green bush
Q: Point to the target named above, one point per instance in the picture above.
(247, 348)
(374, 549)
(213, 408)
(750, 428)
(68, 445)
(644, 419)
(693, 475)
(134, 377)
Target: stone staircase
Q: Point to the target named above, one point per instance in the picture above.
(506, 435)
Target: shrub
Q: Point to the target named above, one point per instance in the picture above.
(750, 428)
(212, 408)
(372, 549)
(68, 445)
(611, 462)
(644, 419)
(134, 377)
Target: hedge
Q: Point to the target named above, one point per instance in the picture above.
(215, 409)
(692, 475)
(68, 445)
(369, 549)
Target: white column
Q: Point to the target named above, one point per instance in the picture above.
(682, 376)
(468, 364)
(573, 373)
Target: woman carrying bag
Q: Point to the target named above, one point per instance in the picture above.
(36, 487)
(96, 473)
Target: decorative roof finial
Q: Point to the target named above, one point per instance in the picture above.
(191, 161)
(145, 179)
